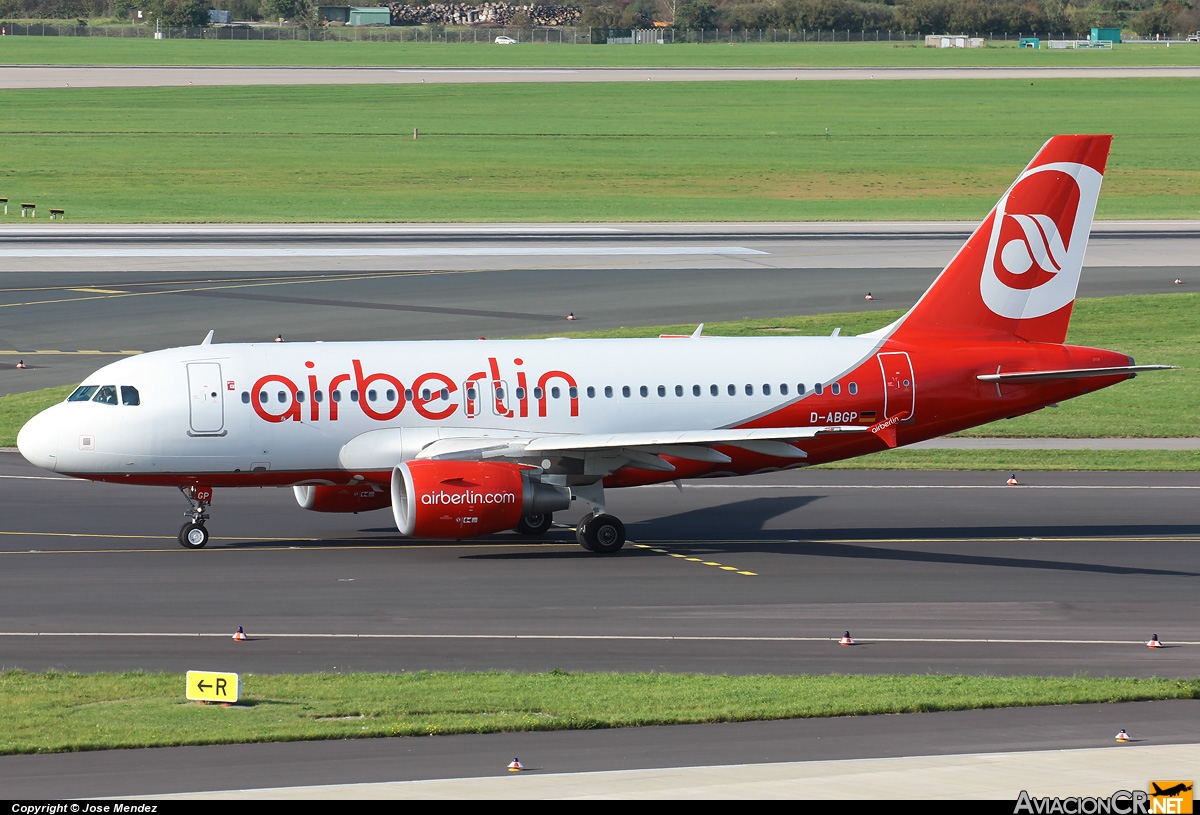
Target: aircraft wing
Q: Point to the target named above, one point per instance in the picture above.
(610, 451)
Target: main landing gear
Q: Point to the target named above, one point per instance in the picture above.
(535, 523)
(602, 534)
(193, 535)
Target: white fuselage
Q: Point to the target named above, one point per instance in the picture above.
(292, 407)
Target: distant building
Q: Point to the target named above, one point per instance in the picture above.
(948, 41)
(216, 15)
(356, 15)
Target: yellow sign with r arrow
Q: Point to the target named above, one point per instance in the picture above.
(209, 686)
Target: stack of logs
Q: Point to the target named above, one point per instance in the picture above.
(494, 14)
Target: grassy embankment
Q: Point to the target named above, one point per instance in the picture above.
(57, 712)
(733, 151)
(1159, 329)
(129, 51)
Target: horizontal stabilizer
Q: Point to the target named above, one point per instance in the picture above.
(1071, 373)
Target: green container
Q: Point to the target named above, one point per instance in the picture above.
(1111, 34)
(370, 16)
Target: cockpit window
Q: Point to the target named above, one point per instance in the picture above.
(83, 393)
(107, 395)
(129, 396)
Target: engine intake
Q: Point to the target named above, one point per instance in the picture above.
(463, 499)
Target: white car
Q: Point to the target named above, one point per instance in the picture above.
(505, 41)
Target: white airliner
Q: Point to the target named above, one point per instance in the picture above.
(475, 437)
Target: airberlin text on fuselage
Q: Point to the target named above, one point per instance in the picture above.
(429, 394)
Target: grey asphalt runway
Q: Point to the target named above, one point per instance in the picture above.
(941, 572)
(126, 289)
(57, 76)
(931, 572)
(824, 743)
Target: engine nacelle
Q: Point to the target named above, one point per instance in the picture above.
(354, 498)
(462, 499)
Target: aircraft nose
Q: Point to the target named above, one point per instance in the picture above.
(38, 441)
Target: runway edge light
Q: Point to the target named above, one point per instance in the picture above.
(515, 766)
(846, 639)
(240, 635)
(1154, 643)
(1123, 736)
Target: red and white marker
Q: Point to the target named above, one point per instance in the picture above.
(846, 639)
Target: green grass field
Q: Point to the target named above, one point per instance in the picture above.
(58, 712)
(126, 51)
(587, 152)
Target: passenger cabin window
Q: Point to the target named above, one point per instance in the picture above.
(695, 390)
(83, 393)
(714, 390)
(732, 390)
(644, 391)
(608, 391)
(853, 388)
(555, 393)
(766, 390)
(783, 389)
(749, 390)
(800, 389)
(591, 392)
(625, 391)
(818, 389)
(107, 395)
(835, 388)
(679, 390)
(245, 397)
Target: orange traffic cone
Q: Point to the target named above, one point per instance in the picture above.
(1154, 643)
(846, 639)
(240, 635)
(1012, 480)
(1123, 736)
(515, 766)
(20, 363)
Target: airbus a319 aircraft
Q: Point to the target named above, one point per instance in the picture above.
(469, 438)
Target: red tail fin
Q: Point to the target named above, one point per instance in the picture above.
(1017, 275)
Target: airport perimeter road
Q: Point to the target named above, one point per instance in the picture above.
(55, 76)
(931, 572)
(66, 294)
(958, 755)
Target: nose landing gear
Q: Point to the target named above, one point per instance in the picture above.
(194, 535)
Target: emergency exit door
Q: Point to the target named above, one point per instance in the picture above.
(207, 409)
(899, 387)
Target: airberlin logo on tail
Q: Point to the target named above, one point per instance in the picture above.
(1039, 234)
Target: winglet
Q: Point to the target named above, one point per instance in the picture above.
(209, 338)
